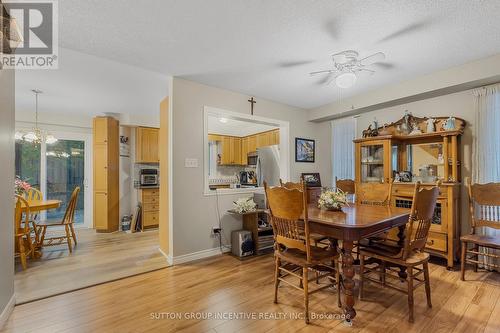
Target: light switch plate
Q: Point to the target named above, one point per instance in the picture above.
(191, 163)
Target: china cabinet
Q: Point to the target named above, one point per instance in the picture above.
(410, 150)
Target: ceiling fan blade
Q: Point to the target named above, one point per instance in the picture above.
(384, 65)
(326, 79)
(288, 64)
(374, 58)
(407, 30)
(321, 72)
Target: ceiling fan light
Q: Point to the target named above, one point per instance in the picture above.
(345, 80)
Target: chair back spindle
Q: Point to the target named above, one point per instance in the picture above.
(484, 205)
(422, 211)
(69, 215)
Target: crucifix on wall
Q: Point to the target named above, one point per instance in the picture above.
(252, 102)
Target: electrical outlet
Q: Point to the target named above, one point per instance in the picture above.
(216, 230)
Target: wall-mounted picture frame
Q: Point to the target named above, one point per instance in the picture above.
(305, 150)
(312, 179)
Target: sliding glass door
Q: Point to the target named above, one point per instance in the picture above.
(57, 169)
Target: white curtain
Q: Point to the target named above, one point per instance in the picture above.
(343, 132)
(486, 153)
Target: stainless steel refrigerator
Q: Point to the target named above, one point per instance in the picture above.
(268, 165)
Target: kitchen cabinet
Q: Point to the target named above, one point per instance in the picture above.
(230, 151)
(252, 143)
(244, 150)
(150, 200)
(105, 177)
(263, 139)
(146, 145)
(275, 137)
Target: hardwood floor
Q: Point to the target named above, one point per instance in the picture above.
(224, 284)
(96, 259)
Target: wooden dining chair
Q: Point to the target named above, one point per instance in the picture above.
(316, 238)
(23, 245)
(34, 194)
(484, 205)
(410, 256)
(293, 248)
(345, 185)
(67, 222)
(378, 194)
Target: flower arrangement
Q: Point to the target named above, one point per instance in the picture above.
(331, 199)
(21, 186)
(243, 205)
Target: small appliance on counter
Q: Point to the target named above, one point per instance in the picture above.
(247, 179)
(148, 177)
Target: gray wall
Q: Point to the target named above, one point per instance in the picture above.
(7, 186)
(194, 214)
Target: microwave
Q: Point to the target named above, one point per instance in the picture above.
(252, 158)
(149, 177)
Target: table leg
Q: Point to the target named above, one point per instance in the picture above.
(348, 275)
(401, 243)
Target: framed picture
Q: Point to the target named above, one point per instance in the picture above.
(304, 150)
(312, 179)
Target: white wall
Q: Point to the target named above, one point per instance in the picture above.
(459, 105)
(7, 78)
(194, 214)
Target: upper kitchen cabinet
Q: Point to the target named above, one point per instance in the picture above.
(230, 152)
(252, 143)
(146, 148)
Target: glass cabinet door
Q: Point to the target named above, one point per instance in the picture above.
(372, 163)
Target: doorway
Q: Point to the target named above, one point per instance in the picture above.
(56, 169)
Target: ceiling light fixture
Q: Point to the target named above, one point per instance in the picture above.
(345, 80)
(36, 135)
(223, 120)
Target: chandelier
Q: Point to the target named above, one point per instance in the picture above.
(36, 135)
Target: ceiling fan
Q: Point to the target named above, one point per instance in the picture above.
(346, 65)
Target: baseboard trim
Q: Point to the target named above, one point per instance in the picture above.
(7, 311)
(199, 255)
(167, 256)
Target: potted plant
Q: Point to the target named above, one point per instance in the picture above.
(21, 186)
(332, 199)
(244, 205)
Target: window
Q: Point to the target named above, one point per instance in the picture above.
(343, 132)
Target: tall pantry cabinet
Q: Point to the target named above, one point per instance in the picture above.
(106, 168)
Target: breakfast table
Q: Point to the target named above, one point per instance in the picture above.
(38, 206)
(354, 223)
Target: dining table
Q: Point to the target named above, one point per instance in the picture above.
(352, 224)
(38, 206)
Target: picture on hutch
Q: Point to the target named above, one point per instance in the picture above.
(417, 149)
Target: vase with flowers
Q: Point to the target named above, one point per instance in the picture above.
(21, 186)
(244, 205)
(332, 199)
